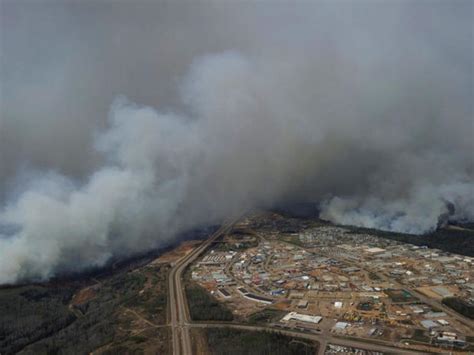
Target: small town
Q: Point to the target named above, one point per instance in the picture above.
(319, 278)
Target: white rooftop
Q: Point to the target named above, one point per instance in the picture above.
(374, 250)
(341, 325)
(302, 317)
(428, 324)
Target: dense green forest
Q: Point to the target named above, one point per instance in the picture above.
(203, 306)
(37, 320)
(30, 313)
(460, 306)
(52, 320)
(267, 315)
(225, 341)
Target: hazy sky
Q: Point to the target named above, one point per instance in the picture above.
(363, 106)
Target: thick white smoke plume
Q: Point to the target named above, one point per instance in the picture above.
(359, 112)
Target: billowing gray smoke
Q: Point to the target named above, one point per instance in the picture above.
(365, 107)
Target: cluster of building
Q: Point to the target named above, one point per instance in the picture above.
(339, 349)
(327, 278)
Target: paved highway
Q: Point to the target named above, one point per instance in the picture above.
(178, 306)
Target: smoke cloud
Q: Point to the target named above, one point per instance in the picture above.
(365, 108)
